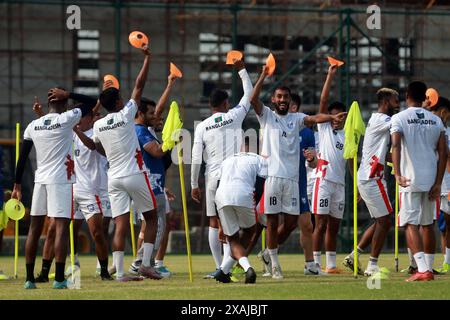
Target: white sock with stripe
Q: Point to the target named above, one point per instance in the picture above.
(148, 250)
(273, 253)
(331, 259)
(245, 264)
(118, 263)
(422, 266)
(429, 259)
(215, 245)
(318, 257)
(227, 264)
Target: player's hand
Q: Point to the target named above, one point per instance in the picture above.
(239, 64)
(171, 79)
(435, 192)
(265, 71)
(340, 117)
(170, 194)
(146, 50)
(332, 70)
(17, 192)
(402, 181)
(309, 154)
(107, 84)
(196, 195)
(37, 107)
(56, 94)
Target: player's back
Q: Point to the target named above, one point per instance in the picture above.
(117, 135)
(222, 136)
(420, 134)
(52, 137)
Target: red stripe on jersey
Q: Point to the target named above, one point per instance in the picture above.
(70, 167)
(139, 159)
(150, 189)
(99, 204)
(384, 195)
(315, 194)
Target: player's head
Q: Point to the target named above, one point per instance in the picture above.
(60, 105)
(146, 112)
(335, 108)
(416, 93)
(87, 121)
(296, 103)
(388, 101)
(281, 99)
(111, 99)
(442, 109)
(218, 100)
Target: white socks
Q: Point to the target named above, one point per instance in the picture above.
(311, 265)
(412, 262)
(227, 264)
(273, 253)
(331, 259)
(215, 245)
(118, 262)
(245, 264)
(422, 266)
(447, 255)
(226, 250)
(429, 259)
(317, 257)
(159, 263)
(148, 250)
(373, 263)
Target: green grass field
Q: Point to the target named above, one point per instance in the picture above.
(294, 286)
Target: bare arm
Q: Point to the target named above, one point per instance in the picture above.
(254, 100)
(246, 83)
(37, 107)
(163, 99)
(396, 139)
(141, 78)
(323, 117)
(326, 89)
(88, 142)
(100, 149)
(154, 149)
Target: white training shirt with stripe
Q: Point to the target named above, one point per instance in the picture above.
(220, 136)
(52, 137)
(86, 166)
(237, 179)
(118, 137)
(420, 131)
(310, 172)
(331, 162)
(375, 147)
(281, 142)
(446, 181)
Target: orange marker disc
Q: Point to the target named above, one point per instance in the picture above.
(113, 79)
(335, 62)
(233, 54)
(270, 63)
(138, 39)
(175, 71)
(432, 96)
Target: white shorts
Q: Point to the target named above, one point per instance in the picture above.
(123, 190)
(210, 193)
(53, 200)
(328, 198)
(417, 209)
(232, 218)
(160, 205)
(281, 195)
(167, 204)
(374, 194)
(86, 205)
(445, 207)
(106, 204)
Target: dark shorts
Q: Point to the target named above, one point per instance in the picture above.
(304, 203)
(441, 221)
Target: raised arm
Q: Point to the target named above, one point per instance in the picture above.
(163, 99)
(254, 100)
(154, 149)
(88, 142)
(246, 83)
(326, 89)
(37, 108)
(87, 103)
(321, 117)
(197, 154)
(141, 78)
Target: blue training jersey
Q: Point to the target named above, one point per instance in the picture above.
(154, 165)
(306, 141)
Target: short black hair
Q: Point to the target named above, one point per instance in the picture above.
(339, 106)
(282, 88)
(417, 91)
(385, 94)
(296, 99)
(443, 103)
(109, 97)
(217, 97)
(145, 103)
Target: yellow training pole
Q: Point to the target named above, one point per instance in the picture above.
(72, 249)
(396, 226)
(16, 223)
(186, 223)
(355, 219)
(133, 240)
(263, 239)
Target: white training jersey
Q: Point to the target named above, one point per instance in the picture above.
(52, 137)
(237, 179)
(310, 172)
(331, 162)
(420, 131)
(103, 166)
(220, 136)
(86, 166)
(446, 181)
(281, 142)
(118, 137)
(375, 147)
